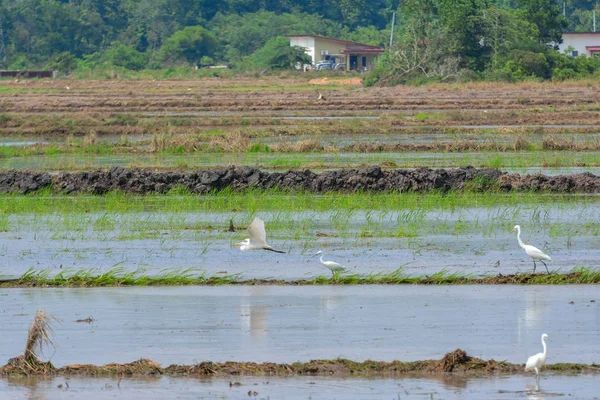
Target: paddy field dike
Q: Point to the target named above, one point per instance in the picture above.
(121, 202)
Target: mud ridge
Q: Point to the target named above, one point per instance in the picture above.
(373, 179)
(455, 362)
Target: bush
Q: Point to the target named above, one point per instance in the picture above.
(19, 63)
(278, 54)
(124, 56)
(64, 63)
(191, 44)
(525, 63)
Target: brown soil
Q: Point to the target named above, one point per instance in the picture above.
(373, 179)
(285, 94)
(336, 81)
(456, 362)
(145, 107)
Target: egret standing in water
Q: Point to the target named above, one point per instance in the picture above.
(533, 252)
(539, 360)
(331, 265)
(257, 239)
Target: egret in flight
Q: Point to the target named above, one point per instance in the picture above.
(539, 360)
(533, 252)
(331, 265)
(257, 239)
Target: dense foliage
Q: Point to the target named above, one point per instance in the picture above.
(434, 39)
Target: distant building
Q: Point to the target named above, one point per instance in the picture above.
(581, 44)
(346, 55)
(27, 74)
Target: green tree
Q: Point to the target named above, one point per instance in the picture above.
(464, 22)
(504, 28)
(64, 63)
(548, 18)
(124, 56)
(190, 44)
(278, 54)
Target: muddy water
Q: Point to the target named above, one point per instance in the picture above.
(301, 388)
(473, 240)
(285, 324)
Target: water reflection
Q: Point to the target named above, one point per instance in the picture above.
(535, 392)
(531, 318)
(253, 314)
(331, 299)
(406, 386)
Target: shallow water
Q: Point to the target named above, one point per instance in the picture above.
(470, 240)
(185, 325)
(504, 161)
(302, 388)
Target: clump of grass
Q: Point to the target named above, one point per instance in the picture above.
(90, 139)
(39, 335)
(118, 276)
(236, 141)
(521, 143)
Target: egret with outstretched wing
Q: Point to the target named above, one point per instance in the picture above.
(257, 239)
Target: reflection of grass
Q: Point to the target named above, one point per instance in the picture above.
(118, 276)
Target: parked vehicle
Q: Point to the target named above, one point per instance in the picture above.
(325, 65)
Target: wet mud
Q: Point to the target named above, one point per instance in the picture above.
(375, 179)
(455, 362)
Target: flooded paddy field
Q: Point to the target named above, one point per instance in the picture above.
(470, 239)
(282, 324)
(278, 124)
(303, 388)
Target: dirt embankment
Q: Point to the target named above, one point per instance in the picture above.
(456, 362)
(374, 179)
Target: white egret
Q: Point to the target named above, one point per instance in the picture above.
(533, 252)
(539, 360)
(331, 265)
(257, 239)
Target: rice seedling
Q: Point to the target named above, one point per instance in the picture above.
(118, 276)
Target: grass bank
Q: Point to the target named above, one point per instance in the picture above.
(187, 277)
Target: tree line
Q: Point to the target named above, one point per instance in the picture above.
(433, 38)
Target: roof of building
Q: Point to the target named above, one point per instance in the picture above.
(351, 46)
(593, 48)
(581, 33)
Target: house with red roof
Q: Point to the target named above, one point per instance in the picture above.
(580, 44)
(352, 55)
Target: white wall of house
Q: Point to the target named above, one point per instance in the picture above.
(318, 48)
(579, 41)
(307, 42)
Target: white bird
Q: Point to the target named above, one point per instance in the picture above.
(533, 252)
(539, 360)
(332, 265)
(257, 239)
